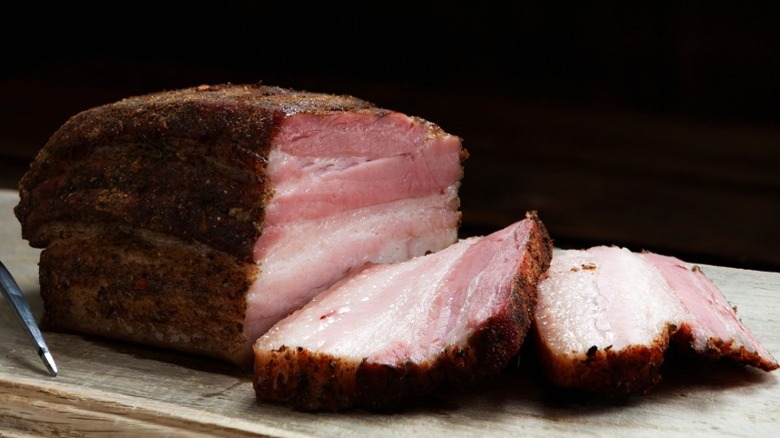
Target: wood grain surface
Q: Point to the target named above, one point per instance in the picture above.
(107, 388)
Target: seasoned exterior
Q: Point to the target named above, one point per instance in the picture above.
(136, 162)
(195, 219)
(143, 287)
(395, 331)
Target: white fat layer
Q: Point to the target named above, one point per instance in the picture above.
(379, 308)
(606, 297)
(312, 255)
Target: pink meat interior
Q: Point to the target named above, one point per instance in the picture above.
(349, 189)
(413, 310)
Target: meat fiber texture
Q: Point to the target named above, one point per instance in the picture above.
(390, 332)
(195, 219)
(606, 316)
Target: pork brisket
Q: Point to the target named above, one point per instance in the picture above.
(393, 331)
(195, 219)
(606, 317)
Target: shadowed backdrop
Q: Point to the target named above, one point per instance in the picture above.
(652, 127)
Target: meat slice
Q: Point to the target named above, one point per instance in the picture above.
(393, 331)
(711, 327)
(196, 219)
(606, 316)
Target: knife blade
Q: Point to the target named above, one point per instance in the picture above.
(14, 294)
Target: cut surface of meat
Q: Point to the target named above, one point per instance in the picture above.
(392, 331)
(606, 317)
(286, 191)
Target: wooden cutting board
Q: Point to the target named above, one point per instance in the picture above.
(108, 388)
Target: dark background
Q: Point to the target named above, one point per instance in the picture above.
(653, 127)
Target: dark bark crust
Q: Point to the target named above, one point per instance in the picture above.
(143, 287)
(632, 370)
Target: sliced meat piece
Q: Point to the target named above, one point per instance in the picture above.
(196, 219)
(606, 317)
(393, 331)
(711, 327)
